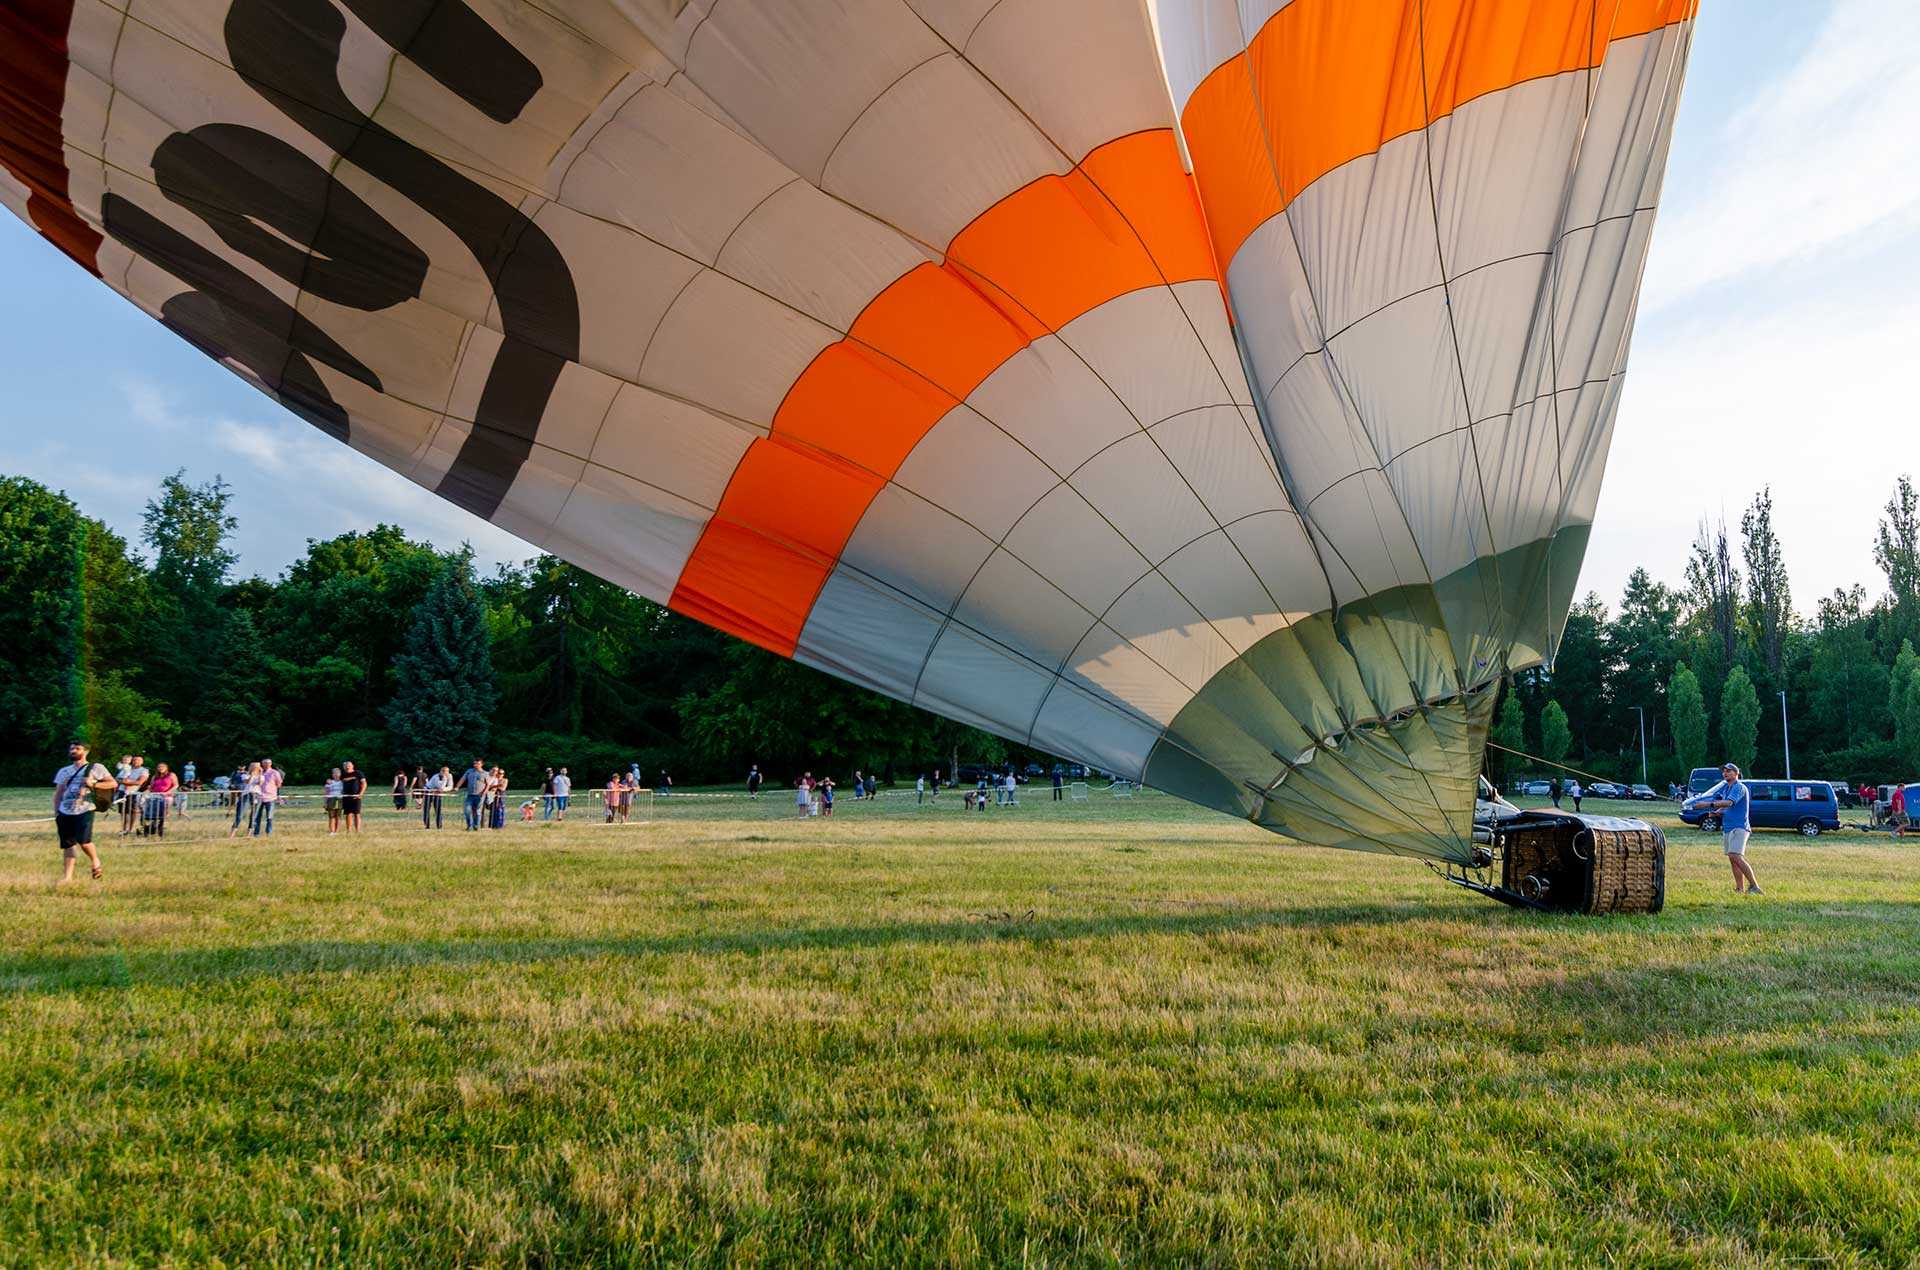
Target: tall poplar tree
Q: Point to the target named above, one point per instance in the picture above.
(1687, 717)
(1739, 718)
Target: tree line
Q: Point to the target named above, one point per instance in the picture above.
(1706, 663)
(379, 648)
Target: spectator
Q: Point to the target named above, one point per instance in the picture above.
(432, 795)
(499, 797)
(1575, 792)
(1897, 811)
(665, 786)
(920, 789)
(803, 794)
(546, 796)
(753, 781)
(826, 795)
(400, 789)
(271, 778)
(260, 813)
(1058, 780)
(562, 792)
(1554, 792)
(157, 802)
(473, 782)
(614, 786)
(353, 788)
(74, 787)
(131, 783)
(246, 788)
(872, 783)
(190, 775)
(1013, 790)
(331, 791)
(859, 785)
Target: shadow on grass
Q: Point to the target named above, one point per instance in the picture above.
(117, 969)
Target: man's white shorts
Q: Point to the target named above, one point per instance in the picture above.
(1736, 842)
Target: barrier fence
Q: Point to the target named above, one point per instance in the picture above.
(249, 813)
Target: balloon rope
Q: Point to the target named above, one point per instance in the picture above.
(1550, 763)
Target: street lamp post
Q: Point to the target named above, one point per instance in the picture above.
(1786, 750)
(1641, 711)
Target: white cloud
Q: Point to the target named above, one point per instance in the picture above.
(1823, 159)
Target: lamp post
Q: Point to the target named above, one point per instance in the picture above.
(1786, 750)
(1641, 711)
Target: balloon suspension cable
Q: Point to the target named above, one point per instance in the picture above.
(1494, 745)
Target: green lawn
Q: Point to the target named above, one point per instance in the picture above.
(1088, 1033)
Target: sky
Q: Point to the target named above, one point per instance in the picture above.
(1779, 322)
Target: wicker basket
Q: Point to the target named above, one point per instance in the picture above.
(1585, 864)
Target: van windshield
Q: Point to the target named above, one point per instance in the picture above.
(1702, 780)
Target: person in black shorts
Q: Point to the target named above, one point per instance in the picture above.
(353, 787)
(73, 789)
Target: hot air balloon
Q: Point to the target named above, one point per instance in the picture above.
(1214, 391)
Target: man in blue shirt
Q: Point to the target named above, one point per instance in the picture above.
(1729, 797)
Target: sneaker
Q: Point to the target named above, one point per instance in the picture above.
(1754, 890)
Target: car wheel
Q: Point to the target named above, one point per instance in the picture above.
(1809, 829)
(1711, 824)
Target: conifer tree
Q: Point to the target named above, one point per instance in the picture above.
(1556, 738)
(233, 721)
(443, 699)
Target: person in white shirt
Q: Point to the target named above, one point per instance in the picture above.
(73, 789)
(562, 790)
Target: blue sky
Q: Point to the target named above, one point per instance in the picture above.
(1778, 327)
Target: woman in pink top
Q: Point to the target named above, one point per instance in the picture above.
(158, 799)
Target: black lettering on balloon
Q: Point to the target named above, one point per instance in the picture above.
(288, 51)
(273, 204)
(455, 45)
(229, 315)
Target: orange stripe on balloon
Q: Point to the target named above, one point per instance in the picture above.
(1325, 82)
(1127, 217)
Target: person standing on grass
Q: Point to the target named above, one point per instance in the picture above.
(245, 782)
(499, 797)
(271, 779)
(432, 794)
(753, 781)
(1897, 811)
(546, 796)
(160, 794)
(612, 798)
(1057, 783)
(189, 775)
(331, 791)
(74, 787)
(353, 788)
(1730, 799)
(473, 785)
(562, 791)
(400, 789)
(1554, 791)
(826, 795)
(131, 783)
(1576, 793)
(919, 789)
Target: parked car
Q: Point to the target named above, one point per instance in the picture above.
(1535, 788)
(1606, 789)
(1644, 793)
(1845, 793)
(1806, 806)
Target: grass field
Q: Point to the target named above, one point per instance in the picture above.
(1087, 1033)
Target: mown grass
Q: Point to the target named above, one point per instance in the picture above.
(1100, 1033)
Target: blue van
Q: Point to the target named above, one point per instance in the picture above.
(1807, 806)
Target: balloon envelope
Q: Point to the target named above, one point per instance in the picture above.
(1214, 392)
